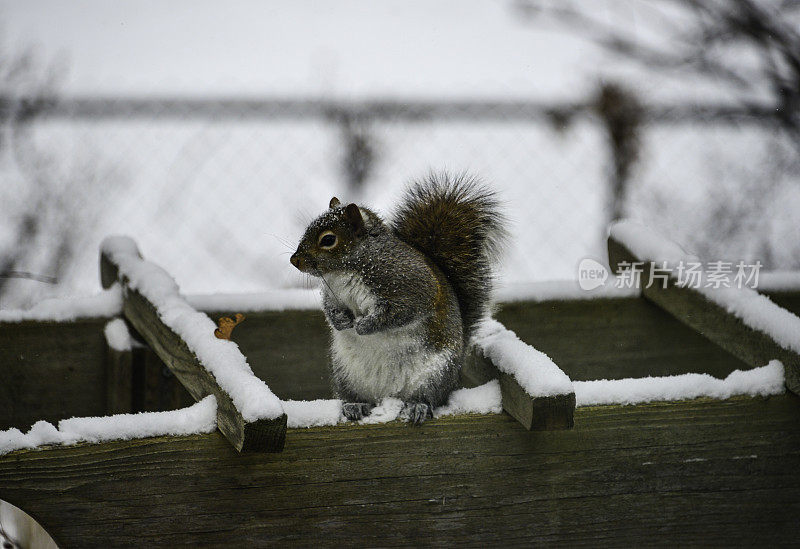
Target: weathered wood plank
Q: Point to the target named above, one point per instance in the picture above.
(246, 436)
(536, 413)
(152, 387)
(160, 390)
(614, 339)
(119, 381)
(309, 376)
(711, 320)
(261, 435)
(139, 381)
(288, 349)
(588, 339)
(44, 365)
(691, 473)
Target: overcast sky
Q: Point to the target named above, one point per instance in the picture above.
(346, 48)
(343, 48)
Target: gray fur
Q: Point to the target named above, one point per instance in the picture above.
(396, 320)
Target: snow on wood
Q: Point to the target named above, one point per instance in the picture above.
(117, 335)
(388, 409)
(561, 290)
(303, 299)
(763, 381)
(755, 310)
(105, 304)
(108, 303)
(760, 313)
(222, 358)
(535, 372)
(274, 300)
(200, 417)
(484, 399)
(779, 281)
(312, 413)
(647, 244)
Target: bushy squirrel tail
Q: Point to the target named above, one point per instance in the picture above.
(457, 223)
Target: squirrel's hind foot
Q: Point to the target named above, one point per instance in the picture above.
(418, 412)
(355, 411)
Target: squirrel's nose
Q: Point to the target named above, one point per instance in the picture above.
(295, 260)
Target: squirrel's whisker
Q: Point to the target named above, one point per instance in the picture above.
(281, 240)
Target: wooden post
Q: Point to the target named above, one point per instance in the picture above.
(119, 381)
(536, 413)
(265, 434)
(710, 319)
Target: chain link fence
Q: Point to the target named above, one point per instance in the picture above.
(218, 192)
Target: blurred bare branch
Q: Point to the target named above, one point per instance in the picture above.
(49, 213)
(622, 115)
(709, 39)
(359, 149)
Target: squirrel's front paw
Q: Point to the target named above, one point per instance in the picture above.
(341, 319)
(418, 412)
(365, 325)
(355, 411)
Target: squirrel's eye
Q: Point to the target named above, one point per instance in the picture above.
(327, 240)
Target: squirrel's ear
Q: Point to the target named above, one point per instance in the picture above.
(353, 216)
(334, 203)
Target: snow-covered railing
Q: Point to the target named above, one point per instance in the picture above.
(740, 320)
(248, 413)
(108, 303)
(200, 417)
(534, 390)
(746, 449)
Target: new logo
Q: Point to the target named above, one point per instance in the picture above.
(591, 274)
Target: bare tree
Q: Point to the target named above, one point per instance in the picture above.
(23, 89)
(749, 50)
(359, 150)
(752, 45)
(621, 114)
(46, 205)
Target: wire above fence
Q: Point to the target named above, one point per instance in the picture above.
(222, 108)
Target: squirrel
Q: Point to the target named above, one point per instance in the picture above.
(404, 298)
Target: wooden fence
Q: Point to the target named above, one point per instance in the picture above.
(695, 472)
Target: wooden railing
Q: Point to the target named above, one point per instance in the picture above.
(697, 472)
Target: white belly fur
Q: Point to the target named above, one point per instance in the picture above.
(350, 291)
(389, 363)
(393, 362)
